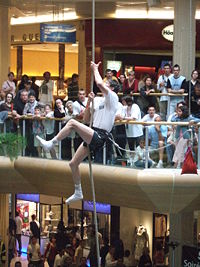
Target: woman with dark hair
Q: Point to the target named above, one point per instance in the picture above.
(24, 79)
(189, 86)
(145, 100)
(61, 112)
(9, 85)
(51, 251)
(121, 79)
(182, 135)
(8, 107)
(130, 85)
(8, 104)
(195, 101)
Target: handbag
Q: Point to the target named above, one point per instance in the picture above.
(48, 252)
(189, 165)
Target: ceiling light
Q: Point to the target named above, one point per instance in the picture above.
(133, 13)
(167, 7)
(197, 15)
(52, 5)
(44, 18)
(130, 13)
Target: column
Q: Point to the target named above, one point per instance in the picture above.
(4, 218)
(19, 61)
(98, 57)
(81, 54)
(181, 231)
(184, 46)
(115, 223)
(61, 66)
(5, 35)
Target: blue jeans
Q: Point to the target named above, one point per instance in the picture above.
(141, 163)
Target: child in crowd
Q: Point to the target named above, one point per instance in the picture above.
(127, 260)
(139, 158)
(182, 135)
(49, 125)
(38, 129)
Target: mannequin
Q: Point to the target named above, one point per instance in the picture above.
(141, 241)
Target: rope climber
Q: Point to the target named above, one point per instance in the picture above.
(105, 109)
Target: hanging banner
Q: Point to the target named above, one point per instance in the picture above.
(57, 33)
(190, 257)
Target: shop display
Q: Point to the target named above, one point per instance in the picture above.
(47, 216)
(141, 241)
(161, 234)
(160, 225)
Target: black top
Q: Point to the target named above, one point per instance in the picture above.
(145, 261)
(73, 91)
(35, 229)
(35, 88)
(4, 107)
(19, 106)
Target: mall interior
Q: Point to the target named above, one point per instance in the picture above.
(154, 208)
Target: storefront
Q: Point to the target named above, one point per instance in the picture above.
(33, 54)
(81, 215)
(134, 43)
(140, 228)
(48, 211)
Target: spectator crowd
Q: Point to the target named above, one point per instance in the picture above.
(171, 99)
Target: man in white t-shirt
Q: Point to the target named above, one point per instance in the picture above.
(150, 116)
(104, 112)
(33, 252)
(80, 104)
(162, 87)
(18, 221)
(46, 89)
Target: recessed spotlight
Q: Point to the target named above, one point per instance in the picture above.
(66, 9)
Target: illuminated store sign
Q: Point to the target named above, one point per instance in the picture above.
(100, 207)
(29, 197)
(168, 33)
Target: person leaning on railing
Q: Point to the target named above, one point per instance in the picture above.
(61, 112)
(7, 107)
(162, 87)
(175, 85)
(195, 101)
(158, 138)
(182, 135)
(145, 100)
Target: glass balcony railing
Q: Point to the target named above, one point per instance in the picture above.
(162, 145)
